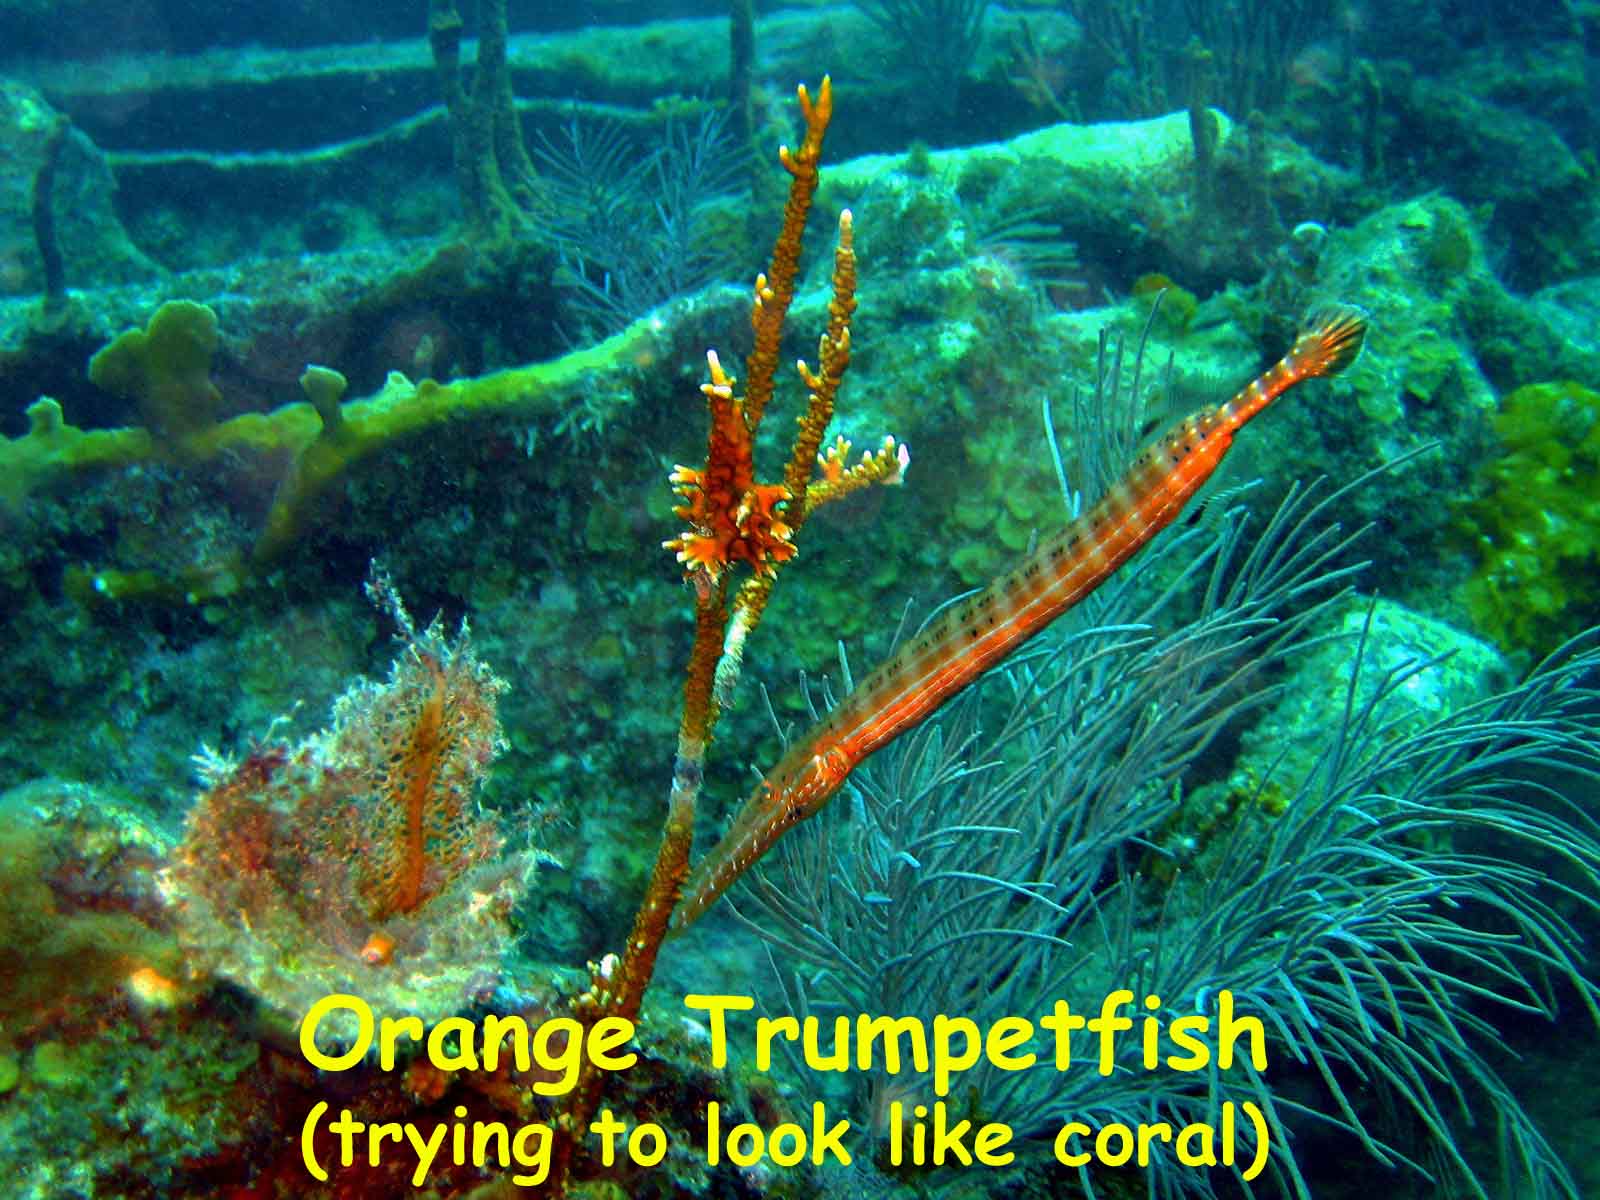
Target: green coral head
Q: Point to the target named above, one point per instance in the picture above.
(324, 388)
(165, 369)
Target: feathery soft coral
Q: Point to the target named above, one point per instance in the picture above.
(357, 860)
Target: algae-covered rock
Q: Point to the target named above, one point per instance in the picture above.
(1494, 154)
(1411, 265)
(81, 913)
(94, 247)
(1537, 526)
(1285, 743)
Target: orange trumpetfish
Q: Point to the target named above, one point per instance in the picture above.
(980, 632)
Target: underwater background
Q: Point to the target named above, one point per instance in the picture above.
(368, 612)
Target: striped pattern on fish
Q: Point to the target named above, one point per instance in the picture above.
(983, 630)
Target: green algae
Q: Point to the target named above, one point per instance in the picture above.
(1537, 523)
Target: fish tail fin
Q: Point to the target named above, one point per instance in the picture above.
(1331, 342)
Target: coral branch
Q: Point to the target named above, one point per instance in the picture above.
(493, 170)
(833, 357)
(733, 519)
(775, 290)
(44, 219)
(886, 465)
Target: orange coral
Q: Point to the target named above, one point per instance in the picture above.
(775, 289)
(886, 465)
(732, 518)
(833, 357)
